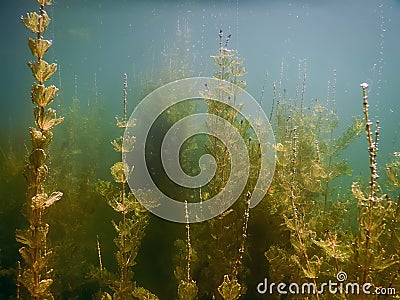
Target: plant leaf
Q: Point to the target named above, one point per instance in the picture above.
(46, 2)
(46, 119)
(37, 158)
(35, 176)
(40, 139)
(43, 200)
(42, 70)
(41, 95)
(143, 294)
(39, 47)
(119, 171)
(31, 21)
(44, 285)
(24, 237)
(230, 289)
(187, 290)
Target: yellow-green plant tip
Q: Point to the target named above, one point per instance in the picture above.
(187, 290)
(42, 70)
(37, 158)
(45, 2)
(31, 22)
(46, 119)
(42, 95)
(118, 171)
(230, 289)
(39, 47)
(40, 139)
(143, 294)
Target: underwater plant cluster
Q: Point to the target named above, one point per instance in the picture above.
(310, 229)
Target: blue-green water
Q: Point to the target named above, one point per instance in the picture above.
(96, 42)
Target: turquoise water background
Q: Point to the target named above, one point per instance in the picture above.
(96, 42)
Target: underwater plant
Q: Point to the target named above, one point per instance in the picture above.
(376, 244)
(219, 265)
(131, 226)
(316, 243)
(300, 204)
(187, 288)
(75, 157)
(35, 275)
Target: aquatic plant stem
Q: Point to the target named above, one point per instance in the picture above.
(371, 145)
(18, 280)
(239, 260)
(303, 87)
(35, 276)
(125, 257)
(99, 255)
(372, 150)
(298, 221)
(329, 169)
(125, 261)
(333, 246)
(37, 214)
(392, 237)
(188, 245)
(273, 102)
(125, 95)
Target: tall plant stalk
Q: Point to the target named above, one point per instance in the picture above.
(35, 275)
(131, 226)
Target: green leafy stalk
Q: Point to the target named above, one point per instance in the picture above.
(131, 226)
(35, 275)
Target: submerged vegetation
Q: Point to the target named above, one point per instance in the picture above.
(35, 275)
(131, 227)
(305, 232)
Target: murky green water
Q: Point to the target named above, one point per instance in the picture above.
(332, 45)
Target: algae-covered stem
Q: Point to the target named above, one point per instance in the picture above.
(392, 237)
(333, 246)
(19, 280)
(99, 255)
(125, 95)
(244, 235)
(372, 149)
(298, 221)
(35, 276)
(188, 244)
(125, 254)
